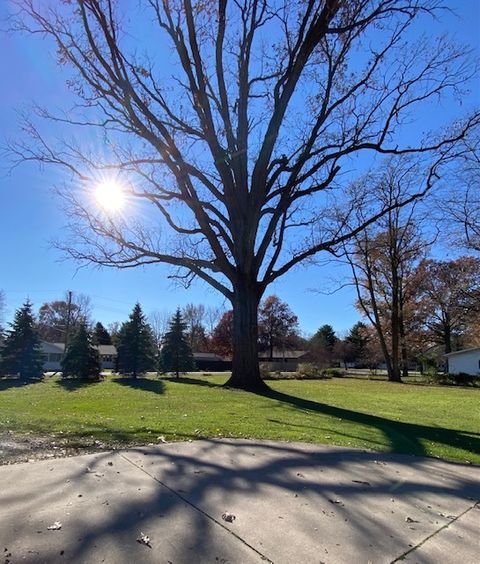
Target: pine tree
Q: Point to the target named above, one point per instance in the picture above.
(82, 359)
(100, 335)
(21, 353)
(358, 338)
(135, 349)
(176, 353)
(325, 337)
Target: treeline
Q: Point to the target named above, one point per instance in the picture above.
(137, 350)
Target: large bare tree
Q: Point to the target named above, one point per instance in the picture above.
(229, 122)
(384, 259)
(460, 206)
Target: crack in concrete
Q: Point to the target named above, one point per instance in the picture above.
(185, 500)
(421, 543)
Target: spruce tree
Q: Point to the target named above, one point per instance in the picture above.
(135, 349)
(81, 359)
(100, 335)
(176, 355)
(21, 352)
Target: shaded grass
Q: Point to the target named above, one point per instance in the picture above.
(442, 422)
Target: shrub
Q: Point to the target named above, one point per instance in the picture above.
(332, 372)
(308, 370)
(264, 371)
(461, 379)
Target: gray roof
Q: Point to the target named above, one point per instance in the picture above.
(282, 354)
(207, 356)
(60, 347)
(472, 349)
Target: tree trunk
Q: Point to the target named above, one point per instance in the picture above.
(447, 335)
(403, 344)
(245, 369)
(394, 373)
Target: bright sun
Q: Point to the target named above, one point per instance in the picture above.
(110, 194)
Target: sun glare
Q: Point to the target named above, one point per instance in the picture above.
(110, 195)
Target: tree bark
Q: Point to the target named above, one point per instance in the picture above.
(245, 368)
(447, 335)
(394, 372)
(403, 344)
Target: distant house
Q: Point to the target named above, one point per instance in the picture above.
(466, 361)
(283, 360)
(205, 361)
(53, 353)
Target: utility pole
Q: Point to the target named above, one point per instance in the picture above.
(67, 328)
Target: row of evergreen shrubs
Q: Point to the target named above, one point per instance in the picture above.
(21, 353)
(305, 371)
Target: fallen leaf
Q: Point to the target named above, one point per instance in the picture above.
(336, 501)
(144, 539)
(361, 482)
(229, 517)
(410, 520)
(55, 527)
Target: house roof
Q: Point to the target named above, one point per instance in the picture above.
(52, 347)
(60, 347)
(472, 349)
(207, 356)
(107, 349)
(282, 354)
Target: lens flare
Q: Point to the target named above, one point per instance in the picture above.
(110, 195)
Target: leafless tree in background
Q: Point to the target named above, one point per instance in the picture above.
(3, 305)
(384, 260)
(159, 322)
(59, 317)
(231, 143)
(461, 204)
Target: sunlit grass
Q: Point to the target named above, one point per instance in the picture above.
(433, 421)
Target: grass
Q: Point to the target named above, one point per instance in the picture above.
(433, 421)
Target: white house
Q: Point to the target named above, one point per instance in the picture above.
(53, 353)
(466, 361)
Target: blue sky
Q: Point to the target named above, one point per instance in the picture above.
(31, 217)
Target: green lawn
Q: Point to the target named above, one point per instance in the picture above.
(422, 420)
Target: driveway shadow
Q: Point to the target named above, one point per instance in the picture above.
(280, 492)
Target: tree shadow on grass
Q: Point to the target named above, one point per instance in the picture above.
(14, 382)
(73, 384)
(193, 381)
(405, 438)
(145, 384)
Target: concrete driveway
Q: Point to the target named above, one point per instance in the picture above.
(220, 501)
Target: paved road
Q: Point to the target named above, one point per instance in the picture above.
(293, 503)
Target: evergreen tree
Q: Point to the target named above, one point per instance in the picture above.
(81, 358)
(358, 338)
(176, 353)
(135, 348)
(100, 335)
(325, 337)
(21, 353)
